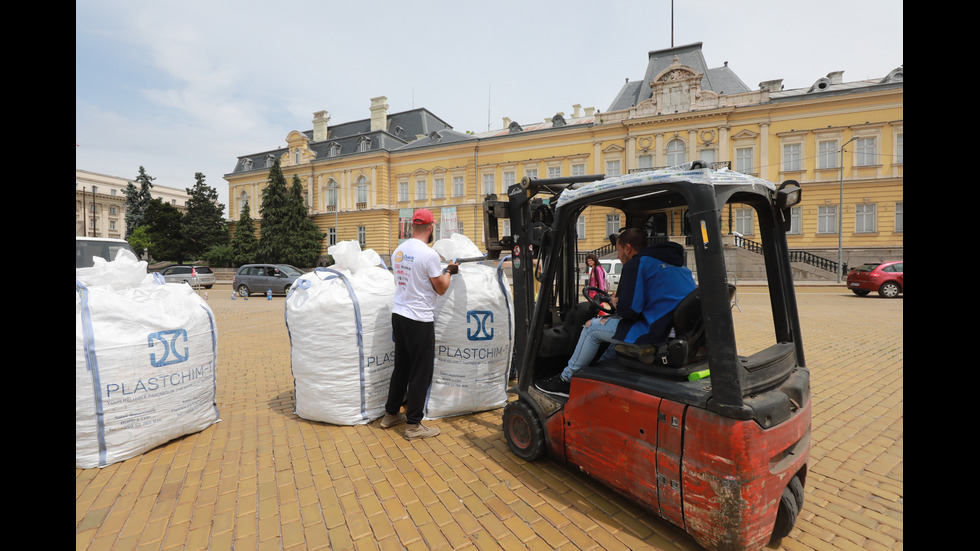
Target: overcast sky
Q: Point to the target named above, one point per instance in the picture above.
(180, 87)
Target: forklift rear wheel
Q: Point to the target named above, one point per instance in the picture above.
(523, 431)
(789, 507)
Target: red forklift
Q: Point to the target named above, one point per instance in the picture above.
(713, 441)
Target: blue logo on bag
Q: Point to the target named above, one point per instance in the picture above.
(169, 341)
(482, 331)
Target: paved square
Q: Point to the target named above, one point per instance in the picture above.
(263, 478)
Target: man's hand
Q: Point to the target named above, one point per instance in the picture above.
(452, 268)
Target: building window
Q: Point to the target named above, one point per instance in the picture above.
(332, 196)
(332, 236)
(362, 236)
(112, 210)
(743, 221)
(899, 217)
(676, 152)
(707, 155)
(578, 170)
(827, 154)
(612, 224)
(865, 218)
(488, 184)
(743, 160)
(793, 157)
(554, 172)
(899, 148)
(645, 161)
(403, 191)
(457, 186)
(362, 192)
(509, 180)
(531, 172)
(827, 219)
(796, 221)
(242, 201)
(420, 189)
(612, 168)
(364, 144)
(580, 228)
(246, 164)
(333, 149)
(864, 151)
(296, 157)
(438, 188)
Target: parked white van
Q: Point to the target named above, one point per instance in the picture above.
(87, 248)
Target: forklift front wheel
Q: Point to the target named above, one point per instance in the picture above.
(523, 431)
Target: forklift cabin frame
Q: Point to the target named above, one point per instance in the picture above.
(765, 395)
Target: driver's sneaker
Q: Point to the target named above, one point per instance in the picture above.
(554, 385)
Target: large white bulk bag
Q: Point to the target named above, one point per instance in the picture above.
(145, 358)
(474, 329)
(341, 349)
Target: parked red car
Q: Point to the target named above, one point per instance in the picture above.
(884, 277)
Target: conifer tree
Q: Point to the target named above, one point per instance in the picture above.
(203, 224)
(137, 201)
(289, 236)
(245, 244)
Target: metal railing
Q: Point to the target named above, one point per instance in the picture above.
(802, 257)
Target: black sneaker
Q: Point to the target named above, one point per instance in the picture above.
(554, 385)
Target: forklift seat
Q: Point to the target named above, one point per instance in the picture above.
(687, 345)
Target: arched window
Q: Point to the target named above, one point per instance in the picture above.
(242, 201)
(362, 192)
(676, 152)
(332, 191)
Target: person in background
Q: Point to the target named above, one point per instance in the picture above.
(597, 276)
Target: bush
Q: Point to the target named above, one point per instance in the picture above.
(220, 256)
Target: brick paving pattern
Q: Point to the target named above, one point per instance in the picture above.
(263, 478)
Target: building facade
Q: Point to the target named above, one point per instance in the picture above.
(100, 203)
(837, 139)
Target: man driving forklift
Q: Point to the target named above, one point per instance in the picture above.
(654, 280)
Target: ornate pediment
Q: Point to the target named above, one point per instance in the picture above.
(676, 89)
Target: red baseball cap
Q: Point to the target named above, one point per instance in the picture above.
(422, 216)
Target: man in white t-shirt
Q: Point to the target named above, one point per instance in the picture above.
(419, 280)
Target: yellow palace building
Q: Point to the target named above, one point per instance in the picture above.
(840, 140)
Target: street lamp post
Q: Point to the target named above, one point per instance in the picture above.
(840, 216)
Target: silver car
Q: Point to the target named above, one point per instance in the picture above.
(254, 279)
(195, 276)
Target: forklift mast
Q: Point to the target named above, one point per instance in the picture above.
(530, 217)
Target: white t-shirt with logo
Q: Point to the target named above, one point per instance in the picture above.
(414, 263)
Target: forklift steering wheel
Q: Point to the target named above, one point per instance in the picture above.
(601, 299)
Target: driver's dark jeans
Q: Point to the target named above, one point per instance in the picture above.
(415, 343)
(589, 342)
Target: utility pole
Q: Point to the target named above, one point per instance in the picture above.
(840, 216)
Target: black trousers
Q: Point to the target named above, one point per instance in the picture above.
(415, 344)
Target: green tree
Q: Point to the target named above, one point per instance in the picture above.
(288, 234)
(274, 212)
(245, 244)
(139, 240)
(137, 201)
(307, 239)
(163, 222)
(202, 225)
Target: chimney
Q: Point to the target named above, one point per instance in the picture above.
(836, 77)
(576, 110)
(320, 120)
(589, 111)
(507, 122)
(379, 113)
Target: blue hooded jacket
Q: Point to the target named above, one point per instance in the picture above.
(651, 286)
